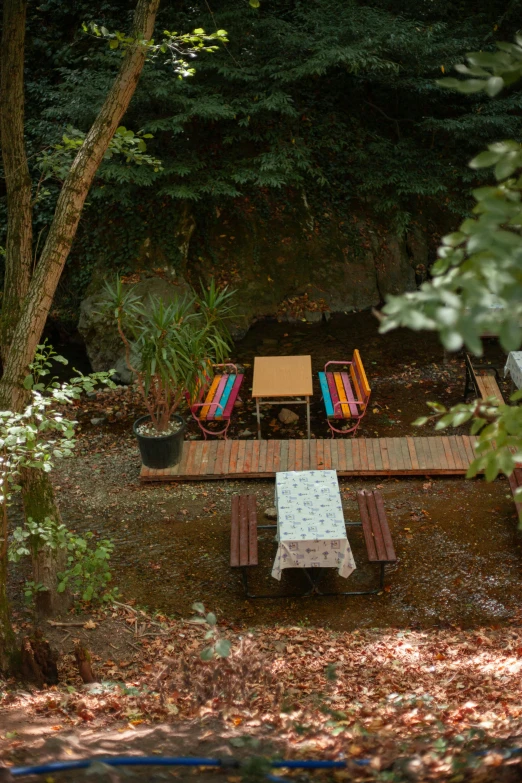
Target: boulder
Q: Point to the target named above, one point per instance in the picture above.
(286, 416)
(104, 346)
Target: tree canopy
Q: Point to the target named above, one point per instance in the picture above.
(335, 98)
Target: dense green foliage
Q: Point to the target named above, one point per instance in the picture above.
(334, 97)
(477, 280)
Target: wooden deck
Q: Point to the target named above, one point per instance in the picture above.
(217, 459)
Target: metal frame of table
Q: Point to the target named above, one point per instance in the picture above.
(310, 513)
(282, 380)
(309, 573)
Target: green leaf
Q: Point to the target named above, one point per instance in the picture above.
(207, 654)
(254, 3)
(494, 85)
(28, 382)
(222, 648)
(198, 607)
(114, 43)
(211, 618)
(485, 159)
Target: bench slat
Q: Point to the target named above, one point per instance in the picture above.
(252, 529)
(215, 408)
(326, 395)
(366, 525)
(210, 396)
(243, 530)
(488, 384)
(227, 413)
(337, 412)
(234, 532)
(376, 526)
(355, 383)
(220, 412)
(388, 543)
(350, 394)
(342, 395)
(376, 531)
(365, 386)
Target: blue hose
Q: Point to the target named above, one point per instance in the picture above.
(170, 761)
(183, 761)
(310, 764)
(116, 761)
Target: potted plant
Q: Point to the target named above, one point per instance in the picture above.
(170, 349)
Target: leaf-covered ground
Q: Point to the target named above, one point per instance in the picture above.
(437, 704)
(420, 683)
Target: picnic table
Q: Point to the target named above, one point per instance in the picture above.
(514, 368)
(289, 377)
(311, 531)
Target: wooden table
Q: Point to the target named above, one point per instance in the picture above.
(282, 376)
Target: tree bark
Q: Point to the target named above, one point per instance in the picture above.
(27, 299)
(37, 303)
(7, 637)
(18, 258)
(39, 503)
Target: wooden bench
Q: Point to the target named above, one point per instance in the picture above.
(345, 394)
(219, 399)
(377, 536)
(243, 534)
(515, 481)
(483, 383)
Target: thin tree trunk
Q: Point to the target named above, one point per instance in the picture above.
(19, 242)
(70, 203)
(39, 503)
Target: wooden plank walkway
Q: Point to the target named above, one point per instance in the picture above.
(217, 459)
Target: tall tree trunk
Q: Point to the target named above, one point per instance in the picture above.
(70, 203)
(19, 243)
(31, 297)
(39, 503)
(19, 236)
(7, 637)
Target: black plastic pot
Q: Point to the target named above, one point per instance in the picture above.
(163, 452)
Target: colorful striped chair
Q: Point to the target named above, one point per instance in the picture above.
(346, 394)
(219, 399)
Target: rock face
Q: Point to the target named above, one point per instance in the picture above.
(285, 261)
(104, 346)
(282, 260)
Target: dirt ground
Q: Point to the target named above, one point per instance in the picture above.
(455, 591)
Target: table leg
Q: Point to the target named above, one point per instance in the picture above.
(258, 419)
(314, 580)
(308, 415)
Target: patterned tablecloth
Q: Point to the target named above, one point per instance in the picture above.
(310, 523)
(514, 367)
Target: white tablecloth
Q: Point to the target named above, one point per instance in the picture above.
(514, 367)
(310, 523)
